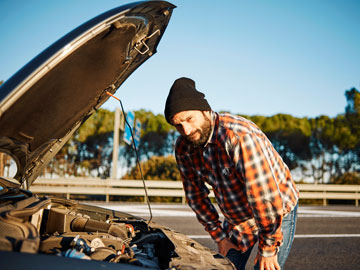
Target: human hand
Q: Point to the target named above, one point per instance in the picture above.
(225, 245)
(267, 263)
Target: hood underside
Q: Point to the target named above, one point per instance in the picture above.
(44, 103)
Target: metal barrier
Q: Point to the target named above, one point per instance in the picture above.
(327, 192)
(162, 188)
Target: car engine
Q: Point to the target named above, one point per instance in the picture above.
(59, 227)
(64, 228)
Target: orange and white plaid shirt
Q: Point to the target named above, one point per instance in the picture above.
(252, 185)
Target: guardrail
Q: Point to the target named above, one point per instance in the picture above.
(161, 188)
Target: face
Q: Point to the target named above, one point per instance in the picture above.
(194, 126)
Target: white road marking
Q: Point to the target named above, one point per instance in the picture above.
(326, 213)
(325, 235)
(184, 211)
(157, 210)
(296, 236)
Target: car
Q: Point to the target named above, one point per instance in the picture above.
(41, 106)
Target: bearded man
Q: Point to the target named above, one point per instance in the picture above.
(253, 186)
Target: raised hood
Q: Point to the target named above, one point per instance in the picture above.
(46, 101)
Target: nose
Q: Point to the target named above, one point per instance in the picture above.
(187, 129)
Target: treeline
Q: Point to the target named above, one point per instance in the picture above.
(321, 149)
(89, 152)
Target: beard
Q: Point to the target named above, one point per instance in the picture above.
(204, 131)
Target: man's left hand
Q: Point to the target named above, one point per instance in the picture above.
(267, 263)
(225, 245)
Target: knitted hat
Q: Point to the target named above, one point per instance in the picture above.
(183, 96)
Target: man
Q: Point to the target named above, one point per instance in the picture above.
(253, 187)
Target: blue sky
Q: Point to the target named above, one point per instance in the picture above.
(250, 57)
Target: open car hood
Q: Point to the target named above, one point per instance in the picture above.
(46, 101)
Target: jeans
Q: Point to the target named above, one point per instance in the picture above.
(288, 228)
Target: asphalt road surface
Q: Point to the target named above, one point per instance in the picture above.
(326, 237)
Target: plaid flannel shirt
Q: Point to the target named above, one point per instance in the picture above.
(252, 185)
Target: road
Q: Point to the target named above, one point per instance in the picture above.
(326, 237)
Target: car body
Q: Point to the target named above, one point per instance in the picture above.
(41, 107)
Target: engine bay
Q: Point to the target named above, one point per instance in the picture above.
(62, 228)
(58, 227)
(72, 233)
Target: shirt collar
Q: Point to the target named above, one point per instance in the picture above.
(214, 123)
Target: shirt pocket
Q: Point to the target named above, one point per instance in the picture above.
(231, 180)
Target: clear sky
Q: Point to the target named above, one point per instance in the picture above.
(250, 57)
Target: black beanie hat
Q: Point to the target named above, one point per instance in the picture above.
(183, 96)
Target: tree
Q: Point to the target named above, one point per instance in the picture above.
(89, 152)
(352, 112)
(155, 134)
(157, 138)
(335, 142)
(94, 143)
(321, 147)
(156, 168)
(289, 135)
(348, 178)
(353, 102)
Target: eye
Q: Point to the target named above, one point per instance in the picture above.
(177, 126)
